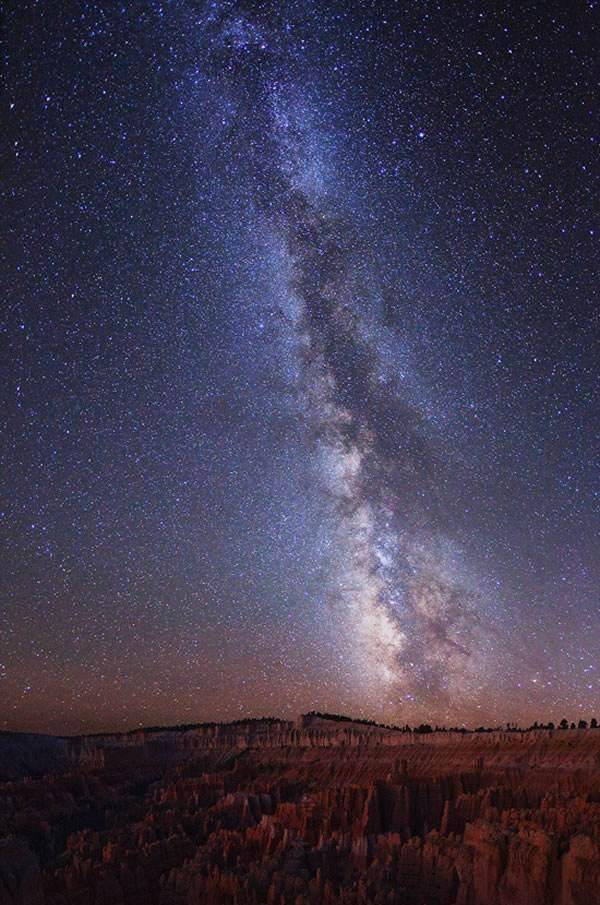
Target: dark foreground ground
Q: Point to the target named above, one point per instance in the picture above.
(301, 813)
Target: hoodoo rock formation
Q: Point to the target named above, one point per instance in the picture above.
(313, 812)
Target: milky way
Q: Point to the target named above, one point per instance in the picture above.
(299, 390)
(409, 622)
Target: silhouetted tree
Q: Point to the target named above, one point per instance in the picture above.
(582, 724)
(572, 725)
(564, 724)
(593, 723)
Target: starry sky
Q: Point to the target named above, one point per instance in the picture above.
(298, 394)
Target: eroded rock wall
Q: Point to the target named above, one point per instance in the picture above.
(306, 813)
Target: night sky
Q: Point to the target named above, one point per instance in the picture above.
(298, 393)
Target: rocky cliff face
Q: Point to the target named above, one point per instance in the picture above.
(282, 813)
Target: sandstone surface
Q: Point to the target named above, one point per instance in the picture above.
(303, 812)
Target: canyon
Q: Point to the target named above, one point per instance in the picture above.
(304, 812)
